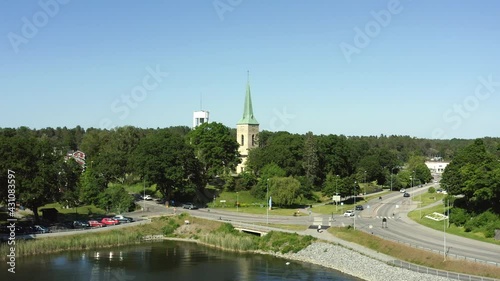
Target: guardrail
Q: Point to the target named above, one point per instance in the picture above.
(455, 256)
(440, 273)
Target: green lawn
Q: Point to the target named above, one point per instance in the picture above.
(251, 205)
(428, 198)
(138, 188)
(443, 225)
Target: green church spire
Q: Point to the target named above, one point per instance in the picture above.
(248, 117)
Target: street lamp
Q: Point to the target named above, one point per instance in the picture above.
(237, 207)
(267, 200)
(144, 195)
(336, 192)
(354, 192)
(392, 172)
(365, 184)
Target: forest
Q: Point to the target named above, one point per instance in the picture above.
(184, 162)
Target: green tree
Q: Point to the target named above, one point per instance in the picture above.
(36, 166)
(282, 148)
(268, 171)
(310, 161)
(215, 147)
(333, 185)
(90, 187)
(475, 174)
(69, 178)
(284, 190)
(116, 199)
(165, 159)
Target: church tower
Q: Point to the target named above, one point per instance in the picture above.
(246, 130)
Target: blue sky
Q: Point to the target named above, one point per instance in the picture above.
(421, 68)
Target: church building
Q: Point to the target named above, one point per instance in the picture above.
(246, 130)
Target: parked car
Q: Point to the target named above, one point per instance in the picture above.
(123, 219)
(80, 224)
(359, 208)
(406, 194)
(109, 221)
(40, 229)
(147, 197)
(349, 213)
(95, 223)
(189, 206)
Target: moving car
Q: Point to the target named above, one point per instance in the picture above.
(189, 206)
(402, 190)
(406, 194)
(109, 221)
(359, 208)
(123, 219)
(349, 213)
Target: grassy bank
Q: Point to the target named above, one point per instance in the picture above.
(214, 233)
(413, 255)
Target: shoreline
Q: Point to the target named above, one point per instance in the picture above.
(320, 253)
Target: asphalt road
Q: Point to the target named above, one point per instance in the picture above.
(399, 226)
(395, 207)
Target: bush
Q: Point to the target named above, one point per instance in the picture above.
(484, 222)
(227, 228)
(459, 216)
(170, 228)
(432, 190)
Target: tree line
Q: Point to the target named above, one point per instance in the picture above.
(181, 162)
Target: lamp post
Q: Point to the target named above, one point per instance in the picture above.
(354, 192)
(365, 185)
(336, 191)
(267, 200)
(144, 195)
(392, 172)
(413, 178)
(237, 202)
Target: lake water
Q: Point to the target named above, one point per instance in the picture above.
(164, 261)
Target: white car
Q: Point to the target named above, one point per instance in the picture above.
(147, 197)
(402, 190)
(349, 213)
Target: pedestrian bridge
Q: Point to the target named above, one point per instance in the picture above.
(251, 231)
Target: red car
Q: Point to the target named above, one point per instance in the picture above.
(96, 224)
(109, 221)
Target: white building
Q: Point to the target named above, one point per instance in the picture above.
(436, 167)
(200, 117)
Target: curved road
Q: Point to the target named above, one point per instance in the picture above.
(395, 207)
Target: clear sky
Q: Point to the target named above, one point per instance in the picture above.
(427, 69)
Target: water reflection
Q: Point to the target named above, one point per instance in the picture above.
(162, 261)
